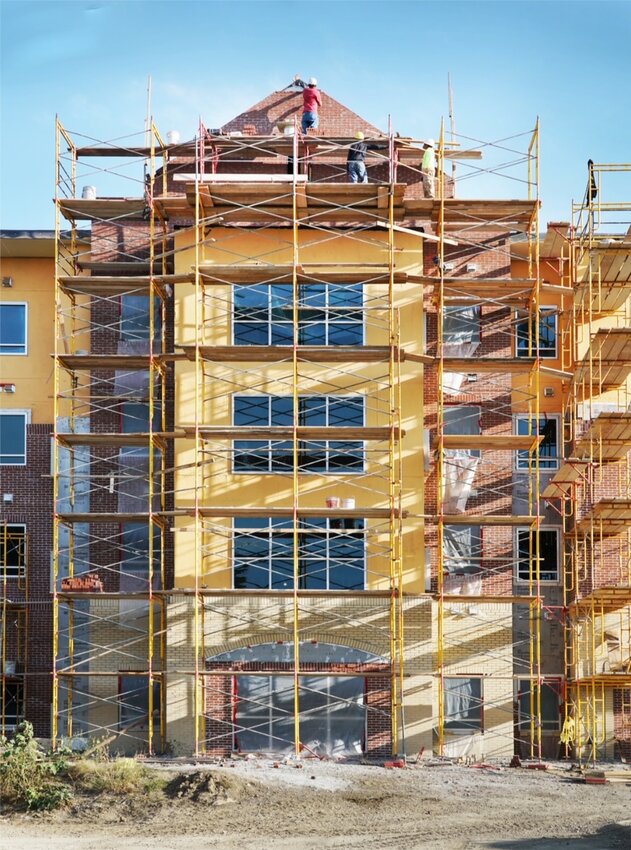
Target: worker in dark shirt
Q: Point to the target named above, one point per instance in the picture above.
(356, 159)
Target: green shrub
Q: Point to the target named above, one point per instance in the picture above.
(28, 775)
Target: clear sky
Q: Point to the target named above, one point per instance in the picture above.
(89, 60)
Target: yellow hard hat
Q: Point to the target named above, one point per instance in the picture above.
(359, 135)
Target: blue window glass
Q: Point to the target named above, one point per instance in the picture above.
(328, 314)
(548, 449)
(13, 330)
(329, 557)
(12, 439)
(321, 456)
(526, 337)
(135, 320)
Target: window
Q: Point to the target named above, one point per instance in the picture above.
(13, 328)
(462, 549)
(463, 703)
(135, 320)
(134, 557)
(548, 554)
(331, 554)
(13, 437)
(135, 417)
(12, 551)
(550, 704)
(13, 708)
(328, 314)
(133, 700)
(548, 450)
(332, 718)
(526, 340)
(321, 456)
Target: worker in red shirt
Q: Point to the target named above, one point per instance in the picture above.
(311, 101)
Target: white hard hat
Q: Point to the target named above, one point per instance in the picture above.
(430, 143)
(313, 81)
(359, 135)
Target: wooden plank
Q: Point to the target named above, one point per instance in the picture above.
(230, 511)
(428, 237)
(304, 432)
(471, 365)
(124, 362)
(106, 209)
(493, 442)
(305, 353)
(488, 519)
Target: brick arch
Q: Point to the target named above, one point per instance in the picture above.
(274, 637)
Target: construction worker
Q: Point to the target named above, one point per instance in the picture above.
(311, 101)
(356, 159)
(428, 167)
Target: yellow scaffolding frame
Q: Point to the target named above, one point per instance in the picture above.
(597, 488)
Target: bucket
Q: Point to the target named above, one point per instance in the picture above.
(173, 137)
(9, 668)
(88, 193)
(332, 502)
(348, 504)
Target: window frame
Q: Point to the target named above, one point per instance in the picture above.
(18, 684)
(359, 469)
(20, 571)
(157, 689)
(521, 454)
(26, 414)
(265, 526)
(544, 308)
(555, 684)
(17, 353)
(269, 323)
(467, 729)
(516, 556)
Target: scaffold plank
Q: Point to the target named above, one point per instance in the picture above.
(104, 286)
(608, 518)
(488, 519)
(607, 363)
(305, 353)
(496, 442)
(104, 209)
(608, 438)
(303, 432)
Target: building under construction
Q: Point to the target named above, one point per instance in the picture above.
(337, 468)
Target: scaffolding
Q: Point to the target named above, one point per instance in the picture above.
(488, 432)
(14, 672)
(240, 462)
(594, 481)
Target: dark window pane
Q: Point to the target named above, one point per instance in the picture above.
(253, 333)
(282, 334)
(345, 334)
(12, 329)
(463, 703)
(12, 438)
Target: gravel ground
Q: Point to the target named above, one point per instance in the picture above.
(252, 805)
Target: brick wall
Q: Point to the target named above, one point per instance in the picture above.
(32, 490)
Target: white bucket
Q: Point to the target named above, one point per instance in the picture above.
(88, 193)
(348, 504)
(332, 502)
(173, 137)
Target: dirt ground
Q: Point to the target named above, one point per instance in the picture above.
(251, 805)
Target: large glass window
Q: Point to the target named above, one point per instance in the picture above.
(13, 328)
(461, 325)
(463, 703)
(321, 456)
(548, 448)
(550, 704)
(12, 550)
(331, 554)
(526, 341)
(134, 557)
(135, 319)
(332, 718)
(548, 554)
(133, 701)
(13, 437)
(328, 314)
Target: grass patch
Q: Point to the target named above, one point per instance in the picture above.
(29, 777)
(118, 776)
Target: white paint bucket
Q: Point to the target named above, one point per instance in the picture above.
(88, 193)
(348, 504)
(173, 137)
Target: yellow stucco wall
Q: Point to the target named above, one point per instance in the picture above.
(32, 374)
(222, 380)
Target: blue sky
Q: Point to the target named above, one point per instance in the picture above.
(89, 60)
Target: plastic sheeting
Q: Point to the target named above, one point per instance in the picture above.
(461, 338)
(462, 549)
(332, 710)
(460, 464)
